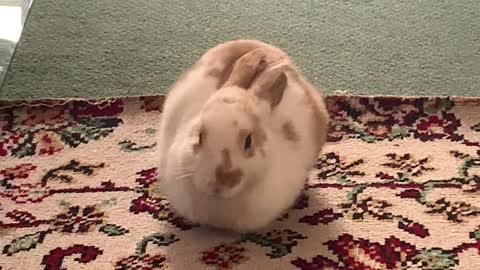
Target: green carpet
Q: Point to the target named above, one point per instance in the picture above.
(105, 48)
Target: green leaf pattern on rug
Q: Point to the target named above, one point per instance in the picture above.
(475, 234)
(399, 133)
(422, 199)
(364, 136)
(26, 148)
(64, 204)
(157, 239)
(435, 259)
(129, 146)
(87, 130)
(342, 179)
(109, 202)
(443, 105)
(150, 131)
(353, 194)
(24, 243)
(113, 230)
(281, 242)
(63, 173)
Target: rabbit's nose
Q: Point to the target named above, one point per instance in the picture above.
(217, 190)
(227, 179)
(226, 175)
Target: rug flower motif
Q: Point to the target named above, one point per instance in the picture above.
(397, 187)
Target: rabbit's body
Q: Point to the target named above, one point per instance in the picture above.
(236, 147)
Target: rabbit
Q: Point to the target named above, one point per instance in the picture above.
(239, 133)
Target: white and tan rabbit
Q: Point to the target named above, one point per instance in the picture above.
(239, 133)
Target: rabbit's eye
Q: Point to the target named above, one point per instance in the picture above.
(198, 144)
(248, 142)
(200, 138)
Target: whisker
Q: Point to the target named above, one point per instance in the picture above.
(184, 176)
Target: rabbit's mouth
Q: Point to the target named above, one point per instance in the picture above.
(219, 192)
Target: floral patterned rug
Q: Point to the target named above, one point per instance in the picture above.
(397, 187)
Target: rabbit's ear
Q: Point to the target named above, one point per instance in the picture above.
(270, 86)
(246, 68)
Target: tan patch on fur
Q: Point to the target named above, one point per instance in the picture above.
(272, 88)
(221, 74)
(239, 66)
(246, 68)
(225, 175)
(289, 132)
(215, 72)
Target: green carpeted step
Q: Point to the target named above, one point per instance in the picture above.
(105, 48)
